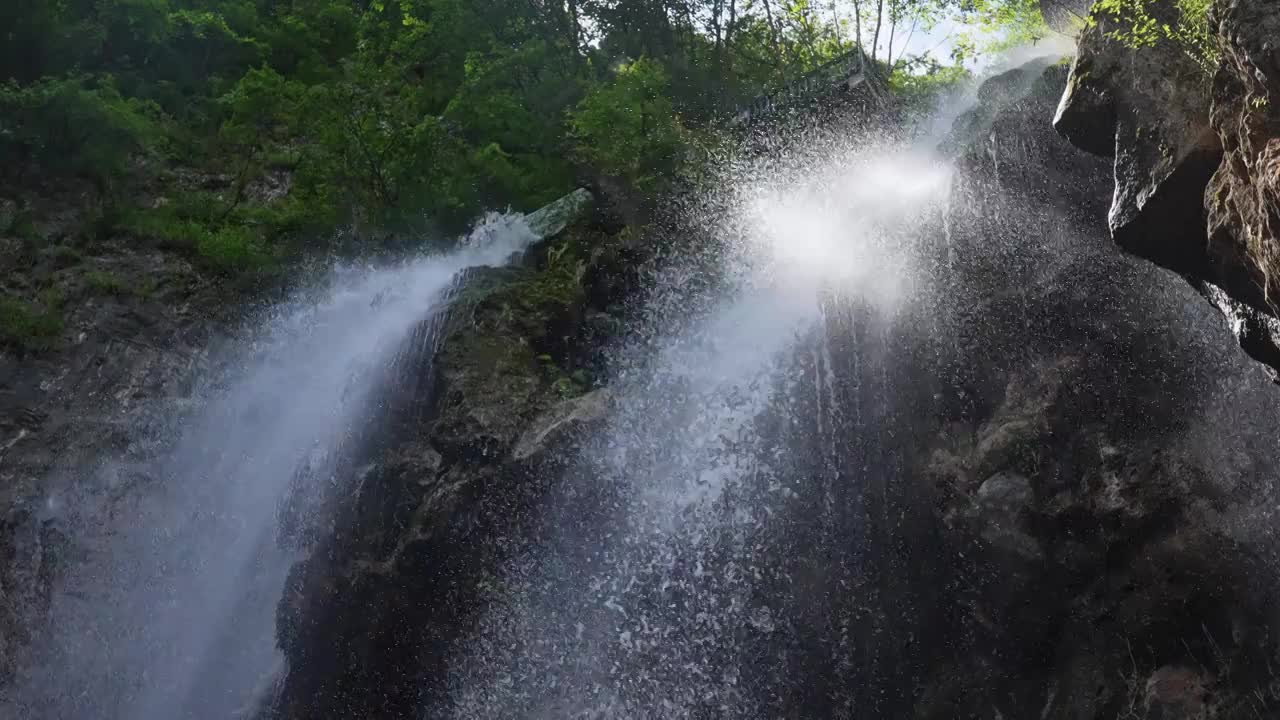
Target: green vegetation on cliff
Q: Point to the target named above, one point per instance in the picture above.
(1143, 23)
(243, 131)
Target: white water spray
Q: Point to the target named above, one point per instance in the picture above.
(173, 615)
(641, 618)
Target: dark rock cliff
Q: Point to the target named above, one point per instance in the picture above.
(1195, 154)
(133, 335)
(458, 477)
(1050, 520)
(1098, 545)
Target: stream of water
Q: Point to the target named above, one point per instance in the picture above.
(655, 610)
(172, 617)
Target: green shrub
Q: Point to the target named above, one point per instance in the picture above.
(245, 238)
(1142, 24)
(165, 226)
(62, 256)
(23, 227)
(233, 250)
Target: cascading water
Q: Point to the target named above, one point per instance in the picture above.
(653, 602)
(758, 530)
(172, 616)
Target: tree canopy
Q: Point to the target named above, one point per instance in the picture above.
(386, 112)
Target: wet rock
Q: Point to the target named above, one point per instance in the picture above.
(120, 366)
(1243, 197)
(370, 619)
(1177, 693)
(1147, 108)
(1100, 561)
(1065, 16)
(1257, 331)
(1001, 501)
(567, 417)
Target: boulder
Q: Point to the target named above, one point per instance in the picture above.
(568, 417)
(1148, 108)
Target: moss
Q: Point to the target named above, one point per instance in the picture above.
(506, 355)
(30, 327)
(166, 227)
(283, 158)
(23, 227)
(107, 283)
(63, 256)
(233, 245)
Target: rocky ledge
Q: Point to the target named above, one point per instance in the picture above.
(1195, 137)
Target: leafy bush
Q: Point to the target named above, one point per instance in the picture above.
(921, 82)
(78, 125)
(1144, 23)
(233, 250)
(226, 243)
(63, 256)
(167, 226)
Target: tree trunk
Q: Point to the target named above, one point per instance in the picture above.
(727, 70)
(875, 37)
(773, 35)
(575, 29)
(857, 22)
(717, 30)
(893, 29)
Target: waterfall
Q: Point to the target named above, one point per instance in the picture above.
(652, 591)
(171, 615)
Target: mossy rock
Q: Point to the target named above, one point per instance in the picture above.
(509, 347)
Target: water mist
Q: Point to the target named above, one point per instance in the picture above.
(173, 614)
(649, 607)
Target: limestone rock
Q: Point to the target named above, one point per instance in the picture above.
(120, 367)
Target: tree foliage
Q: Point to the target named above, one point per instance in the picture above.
(1144, 23)
(628, 127)
(385, 112)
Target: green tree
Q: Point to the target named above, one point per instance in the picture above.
(628, 128)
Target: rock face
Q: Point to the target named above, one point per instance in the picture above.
(1195, 161)
(1049, 520)
(456, 482)
(1065, 16)
(1243, 197)
(123, 362)
(1101, 552)
(1148, 108)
